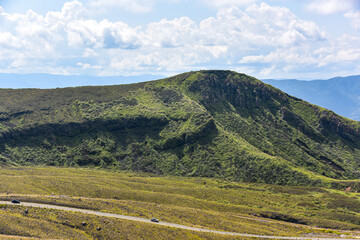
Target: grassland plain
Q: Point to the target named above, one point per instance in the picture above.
(201, 202)
(218, 124)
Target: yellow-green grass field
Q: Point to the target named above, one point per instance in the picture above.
(200, 202)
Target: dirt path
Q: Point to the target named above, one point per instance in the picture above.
(138, 219)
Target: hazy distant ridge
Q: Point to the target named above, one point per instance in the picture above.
(339, 94)
(45, 81)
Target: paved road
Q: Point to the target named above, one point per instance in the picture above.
(138, 219)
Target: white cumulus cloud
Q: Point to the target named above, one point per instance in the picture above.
(171, 33)
(294, 55)
(332, 6)
(228, 3)
(354, 17)
(137, 6)
(259, 25)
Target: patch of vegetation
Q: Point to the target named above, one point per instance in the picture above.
(282, 217)
(41, 223)
(207, 202)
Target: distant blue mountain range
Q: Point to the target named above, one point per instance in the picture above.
(42, 80)
(340, 94)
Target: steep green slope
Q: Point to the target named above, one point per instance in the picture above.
(208, 123)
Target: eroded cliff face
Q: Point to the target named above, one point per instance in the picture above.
(277, 124)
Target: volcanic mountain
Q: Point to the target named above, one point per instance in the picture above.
(207, 123)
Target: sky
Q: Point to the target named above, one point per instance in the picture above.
(304, 39)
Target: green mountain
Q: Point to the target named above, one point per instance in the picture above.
(208, 123)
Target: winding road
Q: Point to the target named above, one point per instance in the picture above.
(138, 219)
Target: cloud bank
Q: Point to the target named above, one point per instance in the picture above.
(257, 38)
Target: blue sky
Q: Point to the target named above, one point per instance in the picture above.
(305, 39)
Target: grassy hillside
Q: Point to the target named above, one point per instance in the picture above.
(211, 203)
(209, 123)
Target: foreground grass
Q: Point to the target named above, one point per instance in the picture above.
(54, 224)
(210, 203)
